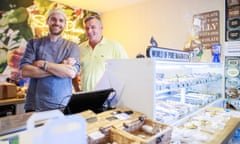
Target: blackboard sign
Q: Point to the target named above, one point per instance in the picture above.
(208, 28)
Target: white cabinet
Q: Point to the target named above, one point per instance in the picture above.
(167, 91)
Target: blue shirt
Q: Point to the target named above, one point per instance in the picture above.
(50, 92)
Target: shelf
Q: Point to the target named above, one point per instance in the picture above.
(176, 123)
(11, 101)
(147, 80)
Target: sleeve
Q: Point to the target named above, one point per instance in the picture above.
(29, 55)
(75, 54)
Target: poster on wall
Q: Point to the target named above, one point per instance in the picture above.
(21, 21)
(205, 33)
(232, 17)
(207, 28)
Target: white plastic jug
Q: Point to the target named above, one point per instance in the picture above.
(57, 129)
(70, 129)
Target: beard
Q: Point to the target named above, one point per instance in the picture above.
(54, 32)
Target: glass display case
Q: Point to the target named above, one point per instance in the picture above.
(167, 91)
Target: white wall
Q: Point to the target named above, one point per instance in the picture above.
(169, 21)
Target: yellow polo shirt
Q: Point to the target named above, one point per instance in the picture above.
(93, 61)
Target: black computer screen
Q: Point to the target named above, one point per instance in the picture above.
(92, 100)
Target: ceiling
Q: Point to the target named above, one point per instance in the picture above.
(99, 5)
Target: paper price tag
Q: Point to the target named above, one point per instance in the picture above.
(122, 116)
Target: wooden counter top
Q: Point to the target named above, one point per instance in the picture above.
(17, 123)
(11, 101)
(13, 123)
(223, 136)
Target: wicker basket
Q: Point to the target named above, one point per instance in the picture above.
(135, 134)
(100, 134)
(99, 131)
(103, 128)
(107, 116)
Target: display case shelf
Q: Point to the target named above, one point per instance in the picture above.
(167, 91)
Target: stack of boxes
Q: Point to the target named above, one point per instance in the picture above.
(7, 90)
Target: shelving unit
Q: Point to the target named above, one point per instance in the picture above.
(17, 103)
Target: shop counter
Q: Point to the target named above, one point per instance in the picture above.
(223, 136)
(13, 123)
(12, 101)
(16, 123)
(11, 106)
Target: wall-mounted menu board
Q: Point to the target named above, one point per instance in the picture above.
(232, 26)
(207, 27)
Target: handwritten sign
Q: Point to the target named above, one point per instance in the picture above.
(208, 24)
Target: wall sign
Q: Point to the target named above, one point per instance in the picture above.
(232, 20)
(166, 54)
(208, 30)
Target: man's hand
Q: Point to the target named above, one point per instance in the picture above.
(38, 63)
(70, 61)
(64, 69)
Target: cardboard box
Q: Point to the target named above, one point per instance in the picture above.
(8, 90)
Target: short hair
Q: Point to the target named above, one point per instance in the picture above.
(90, 17)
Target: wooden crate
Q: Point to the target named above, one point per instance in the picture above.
(133, 133)
(99, 134)
(107, 129)
(110, 117)
(99, 130)
(91, 119)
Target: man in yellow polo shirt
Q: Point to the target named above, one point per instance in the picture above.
(95, 51)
